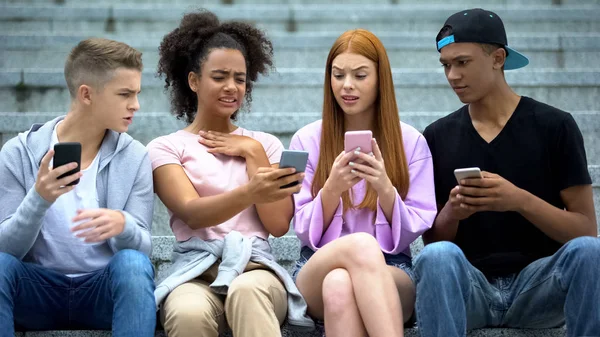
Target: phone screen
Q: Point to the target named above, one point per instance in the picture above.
(65, 153)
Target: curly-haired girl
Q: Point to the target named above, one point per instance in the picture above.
(221, 184)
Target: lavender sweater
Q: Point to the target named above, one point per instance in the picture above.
(411, 216)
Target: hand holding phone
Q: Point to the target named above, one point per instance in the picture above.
(65, 153)
(47, 183)
(457, 211)
(467, 173)
(362, 139)
(295, 159)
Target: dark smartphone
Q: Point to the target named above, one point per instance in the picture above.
(65, 153)
(295, 159)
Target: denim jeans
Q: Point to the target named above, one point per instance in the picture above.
(453, 296)
(119, 297)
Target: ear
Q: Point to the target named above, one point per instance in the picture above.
(84, 94)
(499, 56)
(193, 80)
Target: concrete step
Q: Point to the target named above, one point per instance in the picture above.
(464, 3)
(308, 57)
(147, 126)
(125, 18)
(300, 90)
(300, 50)
(286, 332)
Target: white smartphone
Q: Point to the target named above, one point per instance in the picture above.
(466, 173)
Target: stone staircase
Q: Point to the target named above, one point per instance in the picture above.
(561, 38)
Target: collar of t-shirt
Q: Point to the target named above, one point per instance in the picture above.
(87, 183)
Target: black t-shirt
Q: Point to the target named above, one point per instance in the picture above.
(540, 149)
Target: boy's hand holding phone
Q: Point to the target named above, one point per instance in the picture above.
(102, 224)
(458, 209)
(480, 191)
(489, 193)
(51, 183)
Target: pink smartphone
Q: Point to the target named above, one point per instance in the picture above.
(354, 139)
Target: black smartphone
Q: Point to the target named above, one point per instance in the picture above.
(65, 153)
(295, 159)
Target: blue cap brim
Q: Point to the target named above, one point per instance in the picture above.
(515, 60)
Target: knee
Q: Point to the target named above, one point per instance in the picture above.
(439, 253)
(585, 249)
(187, 316)
(243, 288)
(131, 267)
(337, 291)
(8, 264)
(439, 258)
(131, 262)
(362, 250)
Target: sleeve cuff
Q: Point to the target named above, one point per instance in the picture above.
(129, 227)
(35, 204)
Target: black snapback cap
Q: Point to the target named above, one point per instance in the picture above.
(480, 26)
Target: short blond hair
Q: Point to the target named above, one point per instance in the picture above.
(93, 61)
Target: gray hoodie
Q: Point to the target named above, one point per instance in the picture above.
(193, 257)
(124, 183)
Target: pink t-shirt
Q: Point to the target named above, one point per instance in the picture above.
(212, 174)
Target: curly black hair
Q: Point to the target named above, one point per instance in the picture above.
(187, 47)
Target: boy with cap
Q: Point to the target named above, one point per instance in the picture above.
(516, 247)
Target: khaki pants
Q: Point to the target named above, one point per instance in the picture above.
(255, 305)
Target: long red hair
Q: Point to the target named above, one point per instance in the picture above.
(386, 125)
